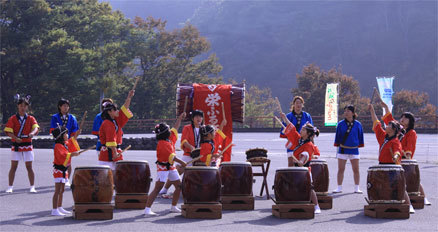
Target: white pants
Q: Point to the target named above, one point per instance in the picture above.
(61, 180)
(172, 175)
(347, 156)
(25, 156)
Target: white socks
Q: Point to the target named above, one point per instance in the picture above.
(356, 189)
(10, 189)
(411, 209)
(317, 209)
(32, 189)
(426, 202)
(68, 184)
(55, 212)
(148, 211)
(338, 189)
(62, 210)
(163, 191)
(175, 209)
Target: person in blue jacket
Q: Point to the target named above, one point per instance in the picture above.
(297, 117)
(97, 123)
(64, 119)
(349, 137)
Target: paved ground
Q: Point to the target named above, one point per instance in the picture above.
(23, 211)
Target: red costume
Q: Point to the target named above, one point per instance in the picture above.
(305, 147)
(188, 136)
(388, 148)
(408, 141)
(13, 126)
(111, 134)
(166, 151)
(62, 156)
(208, 148)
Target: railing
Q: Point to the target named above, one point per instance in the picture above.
(423, 124)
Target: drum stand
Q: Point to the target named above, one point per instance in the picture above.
(103, 211)
(202, 211)
(397, 211)
(417, 201)
(130, 201)
(237, 202)
(297, 211)
(260, 162)
(324, 200)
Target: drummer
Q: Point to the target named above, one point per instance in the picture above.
(302, 149)
(408, 140)
(210, 140)
(110, 132)
(166, 170)
(190, 140)
(390, 147)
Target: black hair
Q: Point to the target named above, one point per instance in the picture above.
(107, 106)
(351, 108)
(61, 102)
(58, 134)
(395, 126)
(205, 130)
(103, 101)
(411, 118)
(196, 113)
(21, 100)
(162, 131)
(311, 130)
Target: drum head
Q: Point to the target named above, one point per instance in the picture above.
(256, 152)
(197, 168)
(195, 153)
(93, 167)
(409, 161)
(318, 161)
(290, 169)
(385, 167)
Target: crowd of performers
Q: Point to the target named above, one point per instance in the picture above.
(397, 141)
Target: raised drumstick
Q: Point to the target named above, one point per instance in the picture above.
(281, 123)
(278, 104)
(135, 83)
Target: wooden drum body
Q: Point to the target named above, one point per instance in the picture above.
(132, 177)
(236, 178)
(292, 185)
(386, 184)
(92, 184)
(412, 176)
(201, 185)
(320, 176)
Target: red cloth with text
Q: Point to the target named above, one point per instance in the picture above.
(209, 98)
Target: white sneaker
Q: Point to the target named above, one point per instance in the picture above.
(317, 209)
(55, 212)
(148, 211)
(175, 209)
(10, 189)
(67, 184)
(32, 189)
(411, 209)
(338, 190)
(426, 202)
(62, 210)
(163, 191)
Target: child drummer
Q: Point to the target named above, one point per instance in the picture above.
(302, 148)
(210, 140)
(166, 170)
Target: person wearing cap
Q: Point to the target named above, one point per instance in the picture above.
(190, 140)
(98, 122)
(63, 118)
(22, 127)
(349, 138)
(111, 133)
(64, 149)
(297, 117)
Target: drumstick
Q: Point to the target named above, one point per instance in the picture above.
(92, 147)
(223, 111)
(281, 123)
(81, 125)
(226, 148)
(135, 83)
(185, 103)
(127, 148)
(193, 160)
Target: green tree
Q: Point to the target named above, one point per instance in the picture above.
(168, 59)
(259, 103)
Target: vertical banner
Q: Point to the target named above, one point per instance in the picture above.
(209, 98)
(331, 105)
(385, 90)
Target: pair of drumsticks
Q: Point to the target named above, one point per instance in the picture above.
(220, 154)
